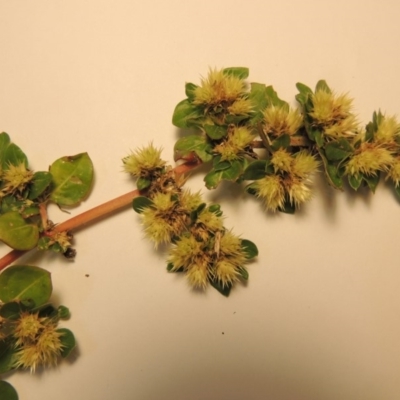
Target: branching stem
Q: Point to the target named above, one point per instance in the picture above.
(102, 211)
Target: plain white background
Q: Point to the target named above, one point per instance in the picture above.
(319, 318)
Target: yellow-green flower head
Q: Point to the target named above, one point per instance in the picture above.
(388, 130)
(282, 160)
(44, 350)
(369, 159)
(143, 161)
(394, 172)
(198, 273)
(279, 120)
(185, 250)
(16, 178)
(164, 220)
(230, 245)
(271, 191)
(226, 272)
(333, 113)
(298, 190)
(27, 327)
(241, 106)
(211, 221)
(230, 258)
(233, 148)
(190, 201)
(218, 88)
(304, 164)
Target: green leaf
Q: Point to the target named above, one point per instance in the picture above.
(331, 172)
(193, 144)
(288, 207)
(23, 282)
(16, 232)
(304, 93)
(322, 85)
(355, 181)
(372, 127)
(12, 309)
(10, 203)
(397, 190)
(240, 72)
(7, 351)
(259, 101)
(338, 151)
(281, 142)
(10, 153)
(40, 182)
(372, 181)
(219, 165)
(224, 290)
(249, 248)
(233, 172)
(68, 341)
(244, 273)
(216, 132)
(273, 99)
(251, 189)
(216, 209)
(190, 90)
(256, 170)
(63, 312)
(334, 176)
(186, 114)
(143, 183)
(213, 178)
(72, 179)
(140, 203)
(7, 391)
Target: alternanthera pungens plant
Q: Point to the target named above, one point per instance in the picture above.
(225, 122)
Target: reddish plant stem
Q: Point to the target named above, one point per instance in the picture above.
(102, 211)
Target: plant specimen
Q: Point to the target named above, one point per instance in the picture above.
(244, 133)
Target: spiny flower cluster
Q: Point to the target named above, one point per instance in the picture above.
(279, 120)
(143, 162)
(288, 182)
(236, 145)
(222, 93)
(378, 150)
(200, 245)
(15, 179)
(333, 114)
(37, 341)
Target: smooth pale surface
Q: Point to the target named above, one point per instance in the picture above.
(319, 318)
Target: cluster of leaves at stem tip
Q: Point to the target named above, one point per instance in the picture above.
(229, 119)
(29, 334)
(25, 195)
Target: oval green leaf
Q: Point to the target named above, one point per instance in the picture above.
(140, 203)
(239, 72)
(249, 248)
(193, 143)
(10, 153)
(68, 341)
(7, 391)
(256, 170)
(16, 232)
(216, 132)
(7, 350)
(185, 114)
(24, 282)
(40, 182)
(72, 179)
